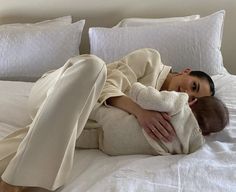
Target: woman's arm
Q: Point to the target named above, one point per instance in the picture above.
(150, 98)
(154, 123)
(140, 65)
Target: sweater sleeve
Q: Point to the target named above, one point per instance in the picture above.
(140, 65)
(163, 101)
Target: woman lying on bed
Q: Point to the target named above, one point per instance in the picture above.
(41, 155)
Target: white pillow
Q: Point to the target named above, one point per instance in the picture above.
(225, 86)
(131, 22)
(194, 44)
(29, 50)
(47, 23)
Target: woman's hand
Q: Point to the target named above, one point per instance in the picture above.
(157, 125)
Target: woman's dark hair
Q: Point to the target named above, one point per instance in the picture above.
(203, 75)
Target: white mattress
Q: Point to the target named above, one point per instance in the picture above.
(212, 168)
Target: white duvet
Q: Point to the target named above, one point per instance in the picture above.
(212, 168)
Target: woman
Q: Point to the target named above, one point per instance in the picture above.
(60, 104)
(145, 66)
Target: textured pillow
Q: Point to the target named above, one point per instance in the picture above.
(29, 50)
(194, 44)
(53, 22)
(225, 90)
(130, 22)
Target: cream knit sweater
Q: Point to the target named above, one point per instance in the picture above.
(143, 65)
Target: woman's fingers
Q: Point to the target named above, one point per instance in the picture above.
(160, 131)
(167, 124)
(166, 116)
(158, 134)
(157, 125)
(150, 133)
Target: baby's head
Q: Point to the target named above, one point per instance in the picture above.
(211, 113)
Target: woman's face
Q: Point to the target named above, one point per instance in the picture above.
(193, 86)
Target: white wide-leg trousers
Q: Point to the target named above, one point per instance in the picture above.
(41, 155)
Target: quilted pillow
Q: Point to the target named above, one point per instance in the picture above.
(53, 22)
(194, 44)
(29, 50)
(131, 22)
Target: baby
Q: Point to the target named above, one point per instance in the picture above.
(191, 122)
(119, 133)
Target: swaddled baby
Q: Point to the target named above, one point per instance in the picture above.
(120, 133)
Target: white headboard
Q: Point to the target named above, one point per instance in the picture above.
(109, 12)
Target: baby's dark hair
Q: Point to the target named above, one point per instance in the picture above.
(211, 113)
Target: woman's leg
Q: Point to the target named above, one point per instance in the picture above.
(45, 156)
(10, 144)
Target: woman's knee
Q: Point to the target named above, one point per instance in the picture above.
(91, 65)
(96, 64)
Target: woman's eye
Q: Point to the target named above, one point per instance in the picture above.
(194, 86)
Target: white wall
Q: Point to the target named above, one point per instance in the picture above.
(109, 12)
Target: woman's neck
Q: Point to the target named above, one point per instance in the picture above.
(166, 83)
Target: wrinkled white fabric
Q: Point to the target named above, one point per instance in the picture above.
(212, 168)
(60, 104)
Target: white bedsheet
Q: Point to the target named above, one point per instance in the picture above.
(212, 168)
(13, 106)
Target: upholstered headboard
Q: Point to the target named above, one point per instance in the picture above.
(108, 13)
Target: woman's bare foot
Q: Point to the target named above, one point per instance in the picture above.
(5, 187)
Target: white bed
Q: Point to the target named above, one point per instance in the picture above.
(212, 168)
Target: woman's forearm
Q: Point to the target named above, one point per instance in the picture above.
(125, 103)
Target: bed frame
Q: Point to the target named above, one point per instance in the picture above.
(107, 13)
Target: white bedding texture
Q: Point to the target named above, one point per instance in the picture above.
(211, 168)
(37, 48)
(181, 44)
